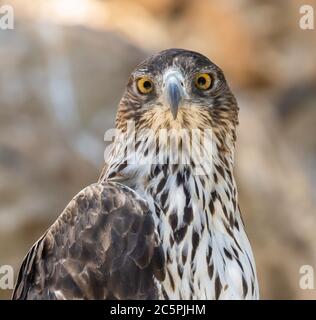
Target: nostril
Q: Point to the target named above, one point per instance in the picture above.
(182, 83)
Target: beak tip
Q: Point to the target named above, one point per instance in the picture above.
(174, 98)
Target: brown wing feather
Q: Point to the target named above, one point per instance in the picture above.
(103, 246)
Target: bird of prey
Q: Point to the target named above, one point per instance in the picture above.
(161, 222)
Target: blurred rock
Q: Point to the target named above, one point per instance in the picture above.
(296, 111)
(59, 89)
(276, 200)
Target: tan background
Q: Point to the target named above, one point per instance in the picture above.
(63, 69)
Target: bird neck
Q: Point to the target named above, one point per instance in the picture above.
(174, 160)
(194, 204)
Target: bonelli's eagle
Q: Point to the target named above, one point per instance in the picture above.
(163, 221)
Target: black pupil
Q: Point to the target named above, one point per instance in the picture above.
(201, 81)
(147, 85)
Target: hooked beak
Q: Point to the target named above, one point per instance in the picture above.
(174, 92)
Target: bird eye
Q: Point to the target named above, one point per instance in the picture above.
(203, 81)
(145, 85)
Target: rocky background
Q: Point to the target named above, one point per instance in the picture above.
(63, 69)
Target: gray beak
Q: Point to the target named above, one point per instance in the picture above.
(174, 92)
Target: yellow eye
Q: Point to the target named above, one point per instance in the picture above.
(145, 85)
(203, 81)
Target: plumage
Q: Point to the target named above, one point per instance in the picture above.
(103, 246)
(163, 221)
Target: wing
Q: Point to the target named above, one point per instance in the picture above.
(102, 246)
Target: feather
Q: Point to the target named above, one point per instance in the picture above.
(102, 246)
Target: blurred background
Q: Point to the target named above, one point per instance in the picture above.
(63, 70)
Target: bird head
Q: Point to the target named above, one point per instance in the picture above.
(178, 88)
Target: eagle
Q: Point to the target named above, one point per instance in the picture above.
(163, 220)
